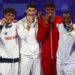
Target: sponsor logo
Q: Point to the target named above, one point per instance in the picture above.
(10, 38)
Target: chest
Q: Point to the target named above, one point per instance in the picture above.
(8, 33)
(32, 32)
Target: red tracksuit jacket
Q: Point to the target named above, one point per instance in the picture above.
(49, 37)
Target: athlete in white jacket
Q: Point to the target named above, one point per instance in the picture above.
(69, 65)
(66, 40)
(9, 50)
(30, 53)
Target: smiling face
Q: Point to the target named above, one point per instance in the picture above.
(9, 16)
(66, 18)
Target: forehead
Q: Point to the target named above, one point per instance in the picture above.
(31, 8)
(9, 13)
(66, 15)
(49, 8)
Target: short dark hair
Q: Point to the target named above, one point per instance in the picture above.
(66, 12)
(49, 4)
(10, 10)
(32, 5)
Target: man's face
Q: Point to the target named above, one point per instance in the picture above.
(31, 11)
(67, 19)
(50, 11)
(9, 17)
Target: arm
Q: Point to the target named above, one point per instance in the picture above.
(21, 30)
(42, 28)
(58, 20)
(2, 23)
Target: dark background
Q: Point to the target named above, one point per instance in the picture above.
(20, 6)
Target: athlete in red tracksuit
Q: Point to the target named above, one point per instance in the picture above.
(48, 35)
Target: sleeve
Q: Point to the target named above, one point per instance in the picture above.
(1, 26)
(41, 30)
(61, 29)
(22, 32)
(58, 20)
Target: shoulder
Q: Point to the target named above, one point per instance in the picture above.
(22, 20)
(21, 23)
(58, 19)
(61, 27)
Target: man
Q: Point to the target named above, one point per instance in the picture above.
(66, 39)
(48, 36)
(30, 53)
(9, 50)
(69, 65)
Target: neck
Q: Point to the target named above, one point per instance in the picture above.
(30, 18)
(68, 23)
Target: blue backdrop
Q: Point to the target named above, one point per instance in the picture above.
(20, 6)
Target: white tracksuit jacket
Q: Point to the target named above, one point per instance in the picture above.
(9, 42)
(29, 44)
(65, 61)
(65, 41)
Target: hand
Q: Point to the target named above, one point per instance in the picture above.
(70, 28)
(29, 22)
(40, 14)
(3, 21)
(28, 26)
(45, 21)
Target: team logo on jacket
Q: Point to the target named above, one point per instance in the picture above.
(10, 38)
(5, 33)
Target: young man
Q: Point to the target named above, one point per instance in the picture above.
(48, 36)
(30, 54)
(9, 50)
(69, 65)
(66, 39)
